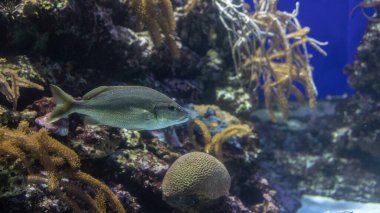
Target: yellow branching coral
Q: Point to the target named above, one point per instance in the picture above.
(52, 156)
(214, 144)
(158, 17)
(102, 188)
(204, 129)
(10, 84)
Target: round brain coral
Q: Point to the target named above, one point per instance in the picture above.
(193, 178)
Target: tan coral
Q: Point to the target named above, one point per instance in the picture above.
(10, 84)
(283, 59)
(214, 144)
(194, 177)
(158, 17)
(52, 155)
(269, 48)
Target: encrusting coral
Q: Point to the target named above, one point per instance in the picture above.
(61, 165)
(158, 17)
(214, 144)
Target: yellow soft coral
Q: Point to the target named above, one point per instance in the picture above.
(158, 17)
(52, 155)
(214, 144)
(283, 58)
(10, 84)
(269, 48)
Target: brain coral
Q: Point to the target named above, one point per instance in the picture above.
(194, 177)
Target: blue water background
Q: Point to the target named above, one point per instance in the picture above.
(330, 20)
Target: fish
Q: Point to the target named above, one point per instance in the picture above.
(131, 107)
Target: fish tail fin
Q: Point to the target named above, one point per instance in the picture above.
(63, 103)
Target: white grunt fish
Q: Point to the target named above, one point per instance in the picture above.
(131, 107)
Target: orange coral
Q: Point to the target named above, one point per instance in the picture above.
(52, 155)
(283, 58)
(214, 144)
(269, 48)
(158, 17)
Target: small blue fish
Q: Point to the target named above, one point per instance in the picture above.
(131, 107)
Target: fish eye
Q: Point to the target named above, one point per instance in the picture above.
(171, 108)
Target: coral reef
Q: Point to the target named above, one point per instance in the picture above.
(141, 166)
(194, 178)
(80, 45)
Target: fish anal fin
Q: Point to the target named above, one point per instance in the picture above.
(95, 92)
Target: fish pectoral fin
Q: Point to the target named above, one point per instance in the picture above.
(90, 121)
(142, 114)
(95, 92)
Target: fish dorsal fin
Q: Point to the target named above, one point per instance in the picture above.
(95, 92)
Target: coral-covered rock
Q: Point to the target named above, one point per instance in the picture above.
(12, 176)
(91, 141)
(60, 128)
(324, 161)
(12, 118)
(216, 121)
(234, 99)
(128, 201)
(361, 114)
(364, 73)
